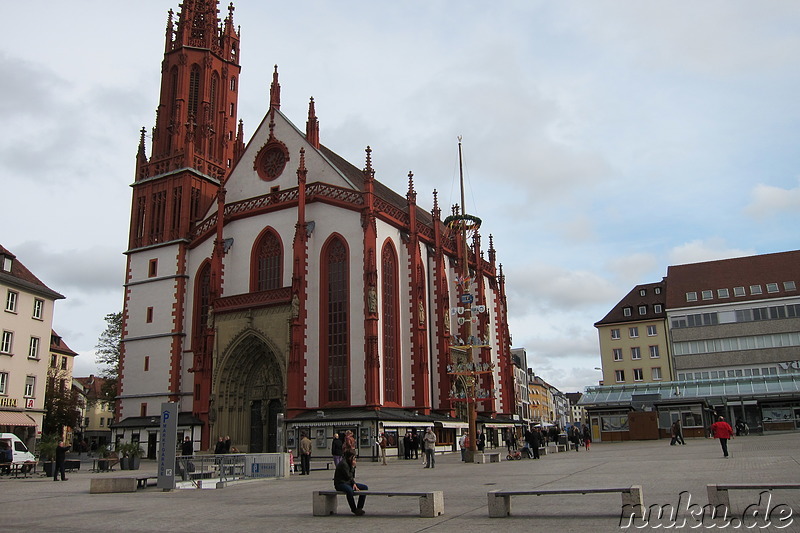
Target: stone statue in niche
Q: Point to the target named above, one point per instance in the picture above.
(372, 299)
(295, 306)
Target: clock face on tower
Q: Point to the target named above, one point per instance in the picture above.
(271, 160)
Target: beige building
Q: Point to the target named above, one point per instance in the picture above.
(634, 342)
(25, 332)
(59, 375)
(541, 400)
(97, 413)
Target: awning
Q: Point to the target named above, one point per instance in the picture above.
(15, 418)
(451, 424)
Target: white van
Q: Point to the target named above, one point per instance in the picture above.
(21, 453)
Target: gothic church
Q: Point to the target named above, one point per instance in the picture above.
(272, 286)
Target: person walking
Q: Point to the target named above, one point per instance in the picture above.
(723, 431)
(462, 443)
(349, 442)
(381, 443)
(677, 434)
(344, 480)
(575, 437)
(415, 444)
(429, 442)
(61, 460)
(187, 449)
(336, 449)
(587, 437)
(305, 454)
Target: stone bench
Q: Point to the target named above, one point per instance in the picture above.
(106, 485)
(500, 500)
(431, 504)
(487, 457)
(718, 493)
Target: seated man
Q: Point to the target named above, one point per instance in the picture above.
(344, 480)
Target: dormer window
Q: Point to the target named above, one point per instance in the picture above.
(7, 263)
(691, 296)
(642, 292)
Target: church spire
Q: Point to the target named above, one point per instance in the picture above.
(312, 125)
(275, 91)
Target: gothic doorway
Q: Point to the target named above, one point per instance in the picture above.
(249, 394)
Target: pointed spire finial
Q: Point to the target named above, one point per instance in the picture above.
(368, 168)
(275, 91)
(312, 125)
(436, 212)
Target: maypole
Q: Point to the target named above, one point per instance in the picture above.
(467, 369)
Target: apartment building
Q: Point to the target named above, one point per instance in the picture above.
(25, 335)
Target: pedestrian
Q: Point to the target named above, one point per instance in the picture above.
(305, 454)
(429, 441)
(415, 444)
(344, 480)
(381, 443)
(407, 445)
(336, 449)
(574, 437)
(349, 442)
(723, 431)
(61, 459)
(536, 442)
(677, 434)
(462, 443)
(481, 441)
(227, 444)
(220, 446)
(187, 449)
(587, 437)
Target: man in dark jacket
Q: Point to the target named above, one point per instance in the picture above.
(344, 480)
(336, 449)
(61, 459)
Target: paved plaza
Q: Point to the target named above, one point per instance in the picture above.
(663, 471)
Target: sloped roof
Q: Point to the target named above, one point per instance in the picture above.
(93, 385)
(24, 278)
(58, 345)
(634, 300)
(729, 273)
(356, 177)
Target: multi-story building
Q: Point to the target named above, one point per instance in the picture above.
(59, 376)
(577, 412)
(541, 400)
(98, 411)
(25, 332)
(561, 407)
(520, 359)
(634, 344)
(734, 339)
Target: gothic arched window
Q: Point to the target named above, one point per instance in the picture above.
(334, 341)
(194, 92)
(202, 303)
(267, 262)
(390, 316)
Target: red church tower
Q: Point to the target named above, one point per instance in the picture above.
(194, 145)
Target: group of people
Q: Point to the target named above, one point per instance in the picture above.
(224, 446)
(580, 436)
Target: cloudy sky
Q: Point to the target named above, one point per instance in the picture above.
(603, 140)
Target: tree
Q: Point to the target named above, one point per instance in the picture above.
(108, 350)
(62, 404)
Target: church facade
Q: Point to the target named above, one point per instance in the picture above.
(273, 287)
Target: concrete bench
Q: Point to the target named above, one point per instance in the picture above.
(105, 485)
(319, 465)
(718, 493)
(431, 504)
(487, 457)
(500, 500)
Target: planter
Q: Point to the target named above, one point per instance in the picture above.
(129, 463)
(49, 468)
(102, 464)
